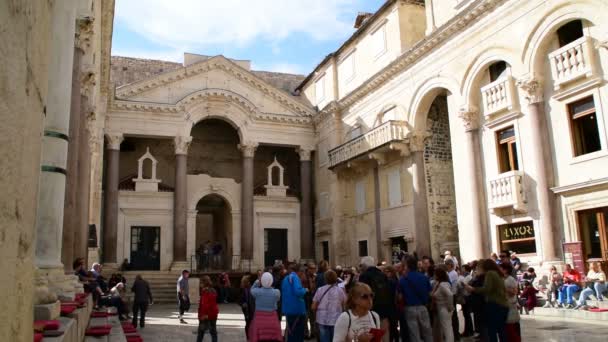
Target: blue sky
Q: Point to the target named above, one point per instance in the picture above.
(276, 35)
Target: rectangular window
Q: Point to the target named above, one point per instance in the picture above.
(518, 237)
(593, 232)
(325, 250)
(360, 197)
(379, 41)
(583, 126)
(362, 248)
(497, 70)
(570, 32)
(507, 150)
(320, 89)
(394, 188)
(346, 70)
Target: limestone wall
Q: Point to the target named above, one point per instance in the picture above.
(24, 28)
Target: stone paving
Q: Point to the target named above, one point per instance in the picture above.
(162, 325)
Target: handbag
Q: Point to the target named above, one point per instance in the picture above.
(316, 304)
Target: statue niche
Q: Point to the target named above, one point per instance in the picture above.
(279, 189)
(146, 184)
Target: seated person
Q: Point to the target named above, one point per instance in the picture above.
(530, 275)
(527, 298)
(572, 280)
(115, 300)
(96, 271)
(555, 282)
(596, 282)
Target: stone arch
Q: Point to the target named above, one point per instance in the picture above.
(232, 202)
(533, 54)
(424, 96)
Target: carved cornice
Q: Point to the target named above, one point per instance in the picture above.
(216, 63)
(470, 117)
(114, 140)
(248, 149)
(181, 144)
(532, 89)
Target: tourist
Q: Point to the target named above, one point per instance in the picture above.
(96, 272)
(529, 275)
(309, 282)
(512, 326)
(453, 278)
(293, 305)
(327, 304)
(359, 322)
(384, 296)
(443, 305)
(596, 280)
(278, 274)
(116, 300)
(183, 297)
(477, 300)
(207, 310)
(504, 258)
(141, 299)
(265, 326)
(207, 253)
(393, 282)
(247, 302)
(571, 285)
(528, 297)
(555, 283)
(125, 266)
(467, 309)
(415, 289)
(428, 268)
(515, 262)
(320, 278)
(400, 304)
(448, 256)
(224, 287)
(217, 255)
(494, 258)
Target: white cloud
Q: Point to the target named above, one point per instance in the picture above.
(199, 23)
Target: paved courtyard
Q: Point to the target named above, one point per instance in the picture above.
(162, 325)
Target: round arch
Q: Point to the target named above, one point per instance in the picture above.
(425, 95)
(228, 198)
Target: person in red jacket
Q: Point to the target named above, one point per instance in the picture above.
(207, 310)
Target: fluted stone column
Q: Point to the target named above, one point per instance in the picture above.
(476, 233)
(421, 211)
(180, 207)
(247, 201)
(110, 222)
(544, 177)
(306, 227)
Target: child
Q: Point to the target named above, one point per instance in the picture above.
(207, 310)
(528, 297)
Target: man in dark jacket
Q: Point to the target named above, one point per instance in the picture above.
(142, 297)
(384, 297)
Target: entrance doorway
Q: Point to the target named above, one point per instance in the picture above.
(593, 232)
(145, 248)
(213, 234)
(275, 246)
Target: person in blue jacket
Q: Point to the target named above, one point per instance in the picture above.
(293, 305)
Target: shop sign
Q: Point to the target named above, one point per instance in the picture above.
(516, 231)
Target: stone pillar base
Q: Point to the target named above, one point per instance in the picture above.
(47, 312)
(180, 266)
(52, 283)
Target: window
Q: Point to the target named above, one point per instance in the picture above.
(379, 41)
(497, 70)
(346, 69)
(360, 197)
(507, 150)
(518, 237)
(320, 89)
(362, 248)
(570, 32)
(325, 250)
(583, 125)
(394, 188)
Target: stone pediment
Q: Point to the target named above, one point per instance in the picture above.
(174, 90)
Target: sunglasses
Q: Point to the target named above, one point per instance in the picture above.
(367, 296)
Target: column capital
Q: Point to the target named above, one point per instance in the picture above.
(469, 115)
(114, 140)
(532, 89)
(84, 33)
(304, 153)
(417, 140)
(248, 148)
(181, 144)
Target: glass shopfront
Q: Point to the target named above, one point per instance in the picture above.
(517, 237)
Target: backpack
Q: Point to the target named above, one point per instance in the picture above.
(383, 296)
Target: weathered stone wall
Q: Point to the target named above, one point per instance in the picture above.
(440, 178)
(24, 32)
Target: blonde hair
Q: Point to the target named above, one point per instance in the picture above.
(355, 292)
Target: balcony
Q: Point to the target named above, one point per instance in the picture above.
(572, 62)
(506, 191)
(390, 131)
(499, 96)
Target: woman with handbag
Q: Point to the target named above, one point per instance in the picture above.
(443, 306)
(328, 304)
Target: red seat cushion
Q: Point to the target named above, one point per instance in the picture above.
(127, 325)
(67, 309)
(598, 310)
(38, 337)
(97, 332)
(46, 325)
(129, 330)
(135, 338)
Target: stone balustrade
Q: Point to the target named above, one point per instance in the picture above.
(377, 137)
(506, 191)
(499, 96)
(572, 61)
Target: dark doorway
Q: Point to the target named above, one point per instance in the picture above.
(145, 248)
(325, 249)
(275, 245)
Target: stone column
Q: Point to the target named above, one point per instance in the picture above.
(247, 201)
(477, 232)
(544, 177)
(180, 205)
(110, 222)
(307, 237)
(421, 211)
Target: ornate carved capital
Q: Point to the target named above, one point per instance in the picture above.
(84, 33)
(470, 117)
(181, 144)
(532, 89)
(87, 83)
(417, 140)
(248, 149)
(304, 153)
(114, 140)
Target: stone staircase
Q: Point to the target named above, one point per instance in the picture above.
(576, 314)
(162, 283)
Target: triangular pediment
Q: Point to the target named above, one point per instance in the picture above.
(215, 74)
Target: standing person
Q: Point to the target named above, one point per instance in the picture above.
(224, 287)
(400, 305)
(183, 297)
(572, 280)
(294, 307)
(320, 278)
(528, 297)
(141, 299)
(328, 304)
(467, 310)
(477, 300)
(415, 288)
(443, 303)
(309, 282)
(207, 255)
(357, 322)
(448, 256)
(278, 274)
(515, 262)
(453, 278)
(555, 282)
(596, 278)
(393, 283)
(265, 326)
(247, 303)
(207, 310)
(512, 327)
(384, 298)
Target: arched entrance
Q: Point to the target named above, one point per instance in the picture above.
(213, 233)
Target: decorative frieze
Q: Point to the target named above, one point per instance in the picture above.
(470, 117)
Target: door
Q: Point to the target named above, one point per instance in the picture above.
(145, 248)
(593, 229)
(275, 246)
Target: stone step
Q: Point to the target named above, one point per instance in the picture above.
(603, 304)
(571, 314)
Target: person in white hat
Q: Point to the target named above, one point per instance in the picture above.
(448, 255)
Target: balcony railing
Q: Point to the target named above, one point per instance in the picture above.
(572, 61)
(381, 135)
(499, 96)
(506, 191)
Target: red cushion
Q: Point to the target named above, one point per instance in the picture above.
(127, 325)
(97, 332)
(38, 337)
(135, 338)
(598, 310)
(129, 330)
(99, 314)
(68, 309)
(47, 325)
